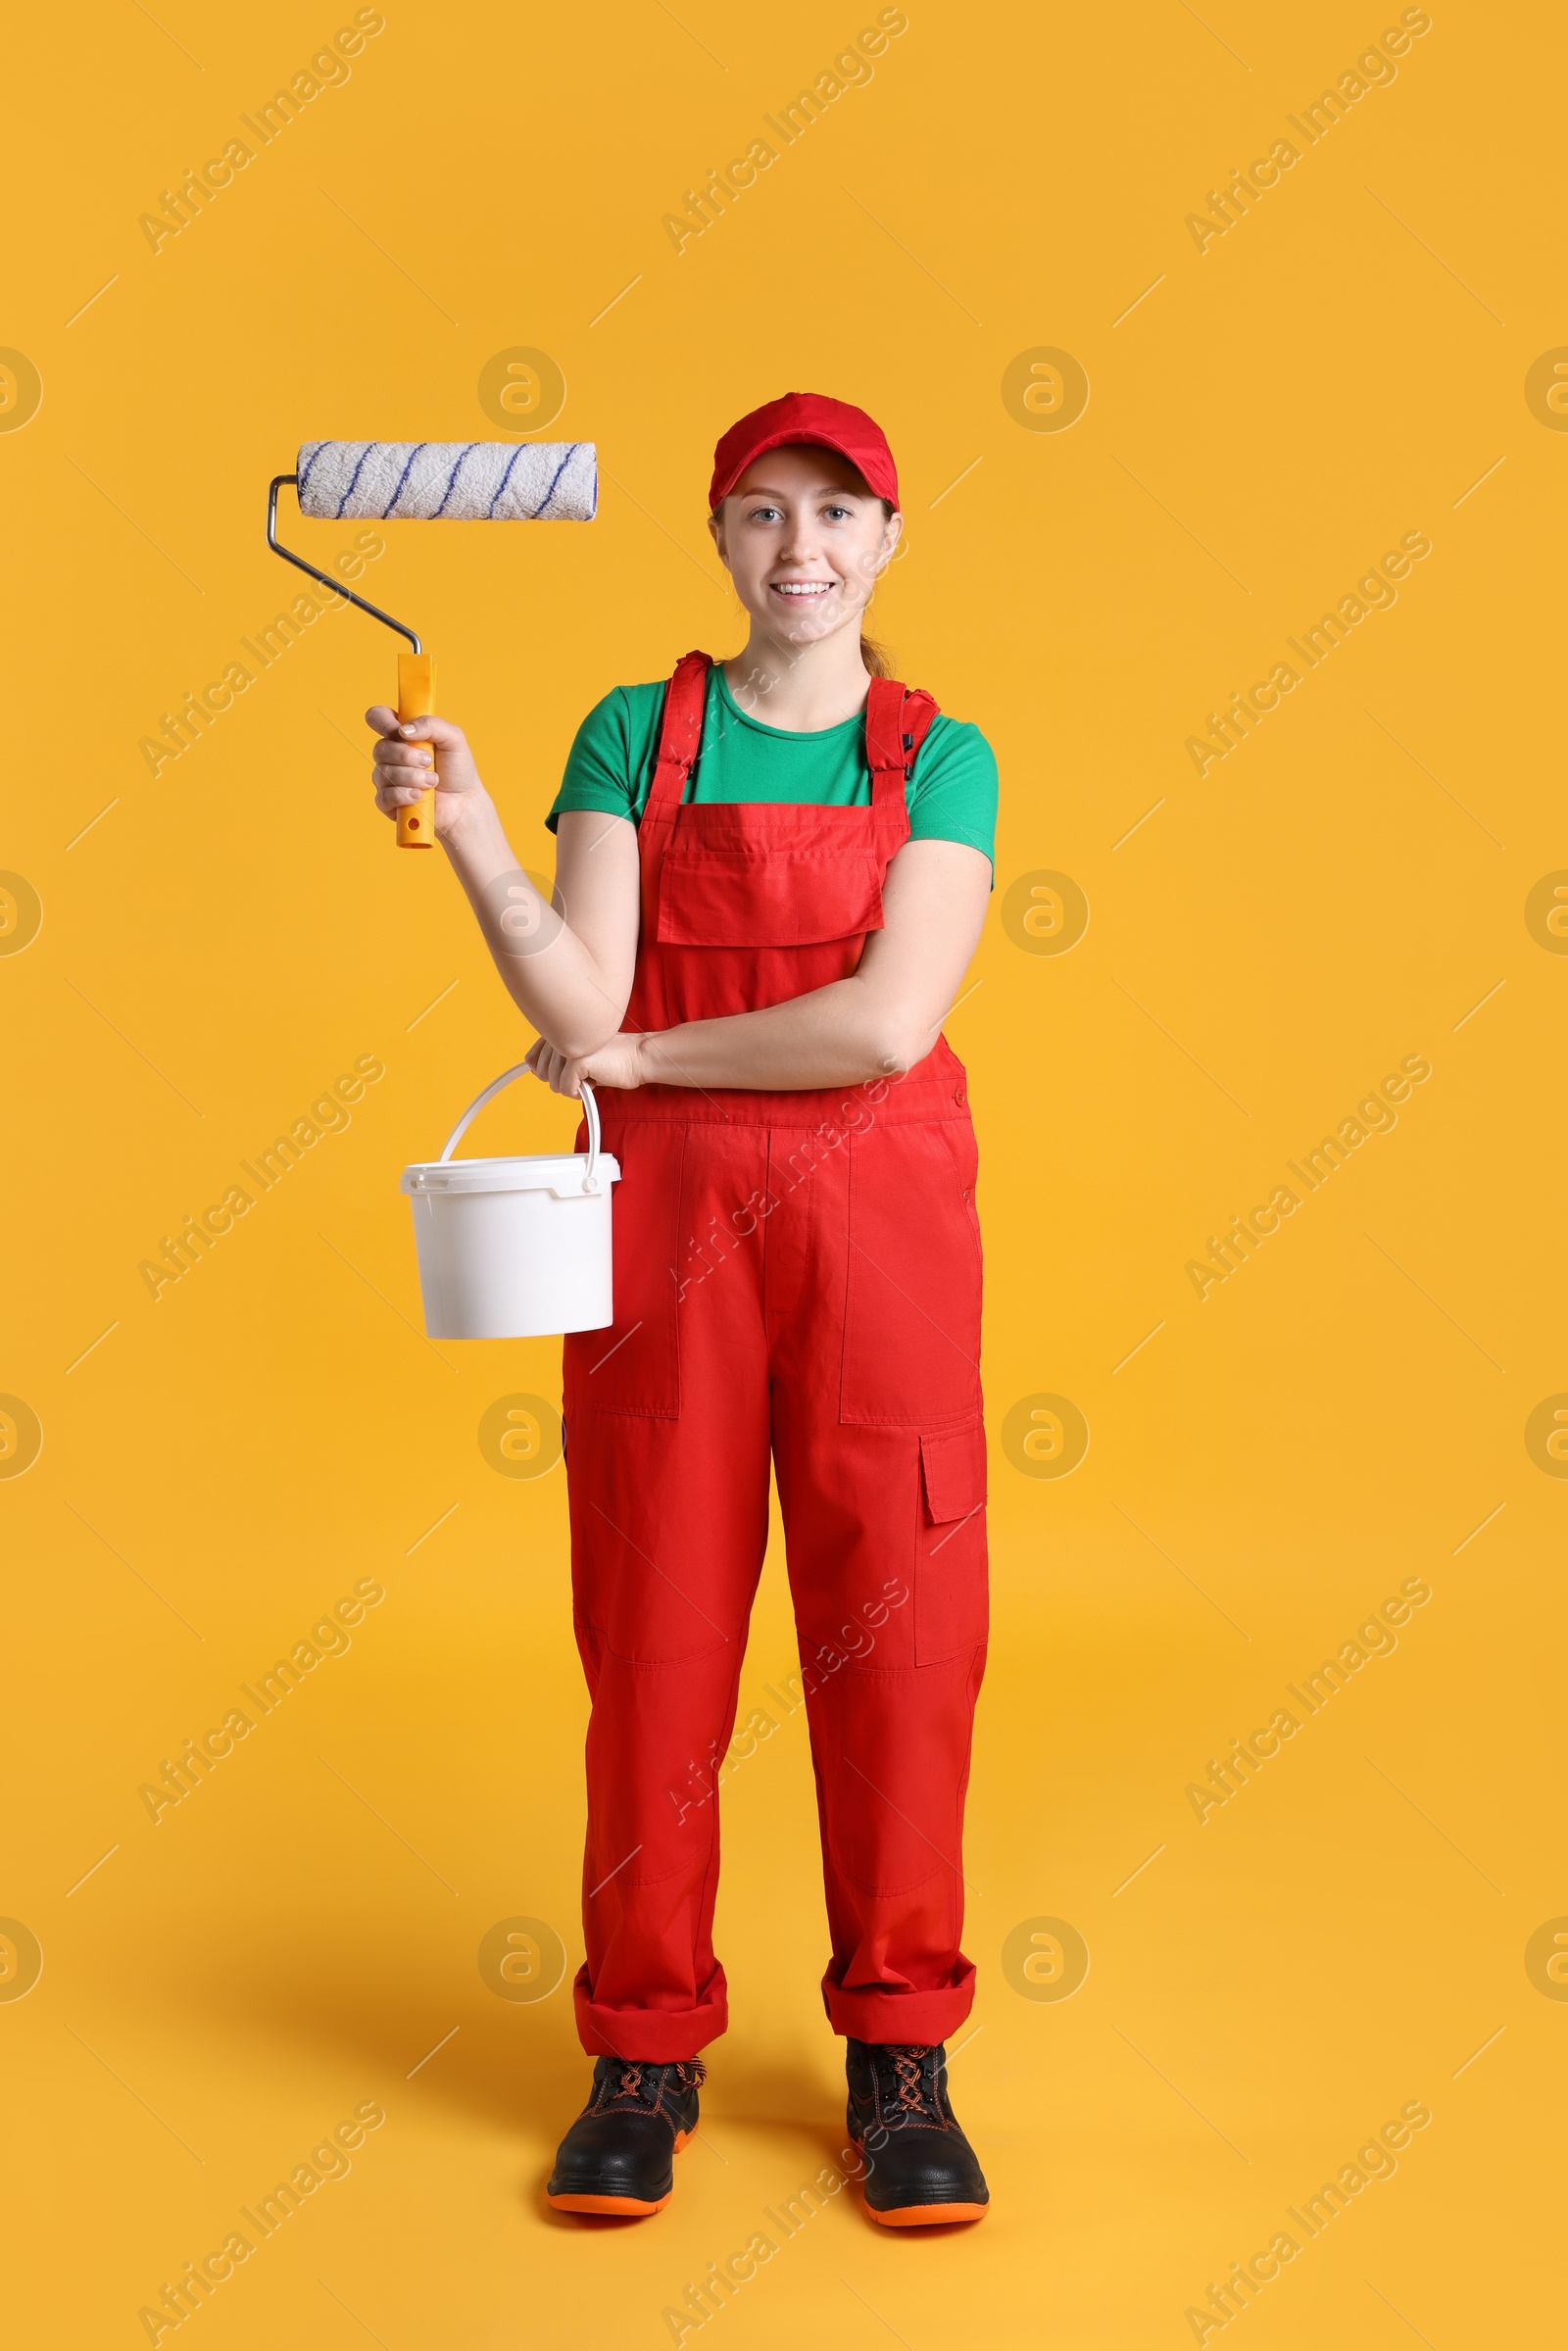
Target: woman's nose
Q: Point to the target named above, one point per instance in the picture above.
(800, 541)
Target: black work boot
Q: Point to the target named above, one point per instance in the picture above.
(618, 2156)
(919, 2168)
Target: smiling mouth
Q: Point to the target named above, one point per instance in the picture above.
(800, 591)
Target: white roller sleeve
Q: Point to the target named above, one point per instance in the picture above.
(450, 481)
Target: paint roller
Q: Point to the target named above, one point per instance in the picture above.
(432, 481)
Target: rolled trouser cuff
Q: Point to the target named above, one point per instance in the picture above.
(889, 2015)
(648, 2035)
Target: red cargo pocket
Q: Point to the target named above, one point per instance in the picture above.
(950, 1563)
(633, 1365)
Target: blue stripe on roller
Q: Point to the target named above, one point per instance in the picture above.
(572, 451)
(504, 478)
(467, 451)
(304, 482)
(358, 471)
(386, 511)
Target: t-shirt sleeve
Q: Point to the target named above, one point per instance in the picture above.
(953, 794)
(600, 765)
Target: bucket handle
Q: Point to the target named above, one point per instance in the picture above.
(590, 1112)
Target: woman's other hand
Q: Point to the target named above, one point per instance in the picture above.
(619, 1063)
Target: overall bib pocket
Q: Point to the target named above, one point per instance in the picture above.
(716, 892)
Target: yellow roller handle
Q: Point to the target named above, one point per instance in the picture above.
(417, 700)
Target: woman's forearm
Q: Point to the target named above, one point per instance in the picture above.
(550, 973)
(839, 1034)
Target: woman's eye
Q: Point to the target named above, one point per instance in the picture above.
(764, 513)
(837, 513)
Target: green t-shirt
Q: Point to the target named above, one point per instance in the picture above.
(951, 795)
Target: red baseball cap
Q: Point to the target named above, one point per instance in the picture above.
(813, 418)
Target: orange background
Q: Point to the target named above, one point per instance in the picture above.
(1346, 1413)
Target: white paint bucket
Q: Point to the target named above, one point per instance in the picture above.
(514, 1248)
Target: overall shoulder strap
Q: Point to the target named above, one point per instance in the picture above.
(898, 719)
(680, 733)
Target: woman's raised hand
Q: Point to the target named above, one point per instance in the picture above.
(402, 771)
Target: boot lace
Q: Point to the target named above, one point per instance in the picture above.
(688, 2072)
(913, 2095)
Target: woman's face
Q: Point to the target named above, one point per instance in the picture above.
(805, 541)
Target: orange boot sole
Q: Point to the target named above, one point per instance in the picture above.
(926, 2216)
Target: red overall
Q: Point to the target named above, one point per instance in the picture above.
(795, 1274)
